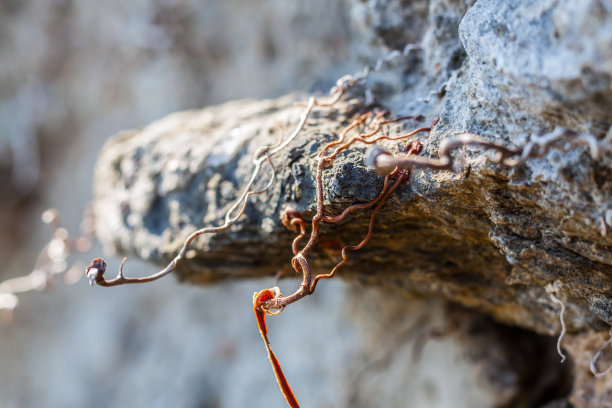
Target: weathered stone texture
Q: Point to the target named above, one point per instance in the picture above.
(487, 237)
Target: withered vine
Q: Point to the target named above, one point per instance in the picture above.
(95, 271)
(397, 169)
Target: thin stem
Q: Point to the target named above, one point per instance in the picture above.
(288, 215)
(385, 162)
(383, 196)
(96, 274)
(553, 290)
(229, 221)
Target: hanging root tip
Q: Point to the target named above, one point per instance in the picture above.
(553, 289)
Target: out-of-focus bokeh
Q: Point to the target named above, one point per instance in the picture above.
(71, 75)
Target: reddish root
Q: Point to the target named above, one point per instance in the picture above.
(271, 299)
(259, 300)
(292, 219)
(384, 162)
(383, 196)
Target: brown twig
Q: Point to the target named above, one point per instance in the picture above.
(271, 301)
(300, 260)
(95, 272)
(384, 162)
(553, 290)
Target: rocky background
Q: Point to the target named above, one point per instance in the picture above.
(444, 307)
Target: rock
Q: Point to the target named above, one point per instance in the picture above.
(489, 238)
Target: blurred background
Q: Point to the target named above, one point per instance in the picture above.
(71, 75)
(74, 73)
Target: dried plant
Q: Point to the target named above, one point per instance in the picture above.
(95, 271)
(271, 301)
(593, 365)
(397, 171)
(384, 162)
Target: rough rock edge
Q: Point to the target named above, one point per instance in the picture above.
(489, 238)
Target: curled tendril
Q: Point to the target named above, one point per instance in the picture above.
(271, 301)
(261, 156)
(384, 162)
(553, 290)
(333, 149)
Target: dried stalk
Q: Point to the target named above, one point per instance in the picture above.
(384, 162)
(553, 290)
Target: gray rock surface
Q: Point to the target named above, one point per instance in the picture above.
(488, 238)
(73, 73)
